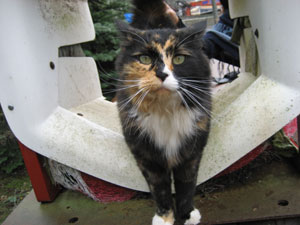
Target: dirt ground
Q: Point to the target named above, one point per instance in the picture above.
(13, 188)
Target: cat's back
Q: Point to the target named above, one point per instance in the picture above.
(151, 14)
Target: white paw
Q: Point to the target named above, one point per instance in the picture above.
(194, 219)
(158, 220)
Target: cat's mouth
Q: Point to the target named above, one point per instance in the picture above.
(163, 89)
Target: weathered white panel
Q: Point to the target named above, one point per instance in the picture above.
(46, 99)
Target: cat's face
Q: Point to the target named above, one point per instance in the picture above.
(163, 65)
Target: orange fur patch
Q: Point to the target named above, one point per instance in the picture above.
(168, 59)
(202, 124)
(138, 73)
(169, 217)
(170, 42)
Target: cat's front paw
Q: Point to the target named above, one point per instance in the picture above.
(162, 220)
(194, 219)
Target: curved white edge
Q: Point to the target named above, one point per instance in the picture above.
(259, 112)
(103, 153)
(67, 22)
(32, 31)
(83, 145)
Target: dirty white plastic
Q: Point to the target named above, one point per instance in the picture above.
(48, 95)
(268, 103)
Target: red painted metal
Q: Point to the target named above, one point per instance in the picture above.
(290, 130)
(43, 188)
(204, 3)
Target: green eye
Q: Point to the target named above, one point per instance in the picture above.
(145, 59)
(179, 59)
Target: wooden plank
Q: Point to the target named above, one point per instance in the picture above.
(291, 221)
(257, 200)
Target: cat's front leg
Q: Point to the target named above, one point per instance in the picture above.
(185, 177)
(159, 181)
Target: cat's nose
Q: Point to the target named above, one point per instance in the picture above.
(161, 75)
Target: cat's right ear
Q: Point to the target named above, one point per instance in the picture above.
(122, 26)
(128, 33)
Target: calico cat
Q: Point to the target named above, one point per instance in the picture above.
(164, 106)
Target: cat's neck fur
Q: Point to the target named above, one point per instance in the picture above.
(168, 126)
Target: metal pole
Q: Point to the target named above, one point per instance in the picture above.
(215, 11)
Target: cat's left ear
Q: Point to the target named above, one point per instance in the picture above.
(195, 31)
(198, 28)
(127, 32)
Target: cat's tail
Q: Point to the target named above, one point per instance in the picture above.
(153, 14)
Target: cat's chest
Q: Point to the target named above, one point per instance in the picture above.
(169, 131)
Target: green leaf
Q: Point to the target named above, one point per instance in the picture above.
(105, 48)
(3, 159)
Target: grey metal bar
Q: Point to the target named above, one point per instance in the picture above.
(215, 11)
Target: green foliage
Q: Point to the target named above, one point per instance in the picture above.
(105, 48)
(10, 156)
(283, 145)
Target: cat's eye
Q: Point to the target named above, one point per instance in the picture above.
(145, 59)
(179, 59)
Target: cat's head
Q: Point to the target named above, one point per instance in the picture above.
(163, 64)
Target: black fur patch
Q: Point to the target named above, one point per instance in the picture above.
(154, 35)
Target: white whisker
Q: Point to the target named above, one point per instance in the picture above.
(124, 39)
(185, 103)
(205, 91)
(191, 41)
(141, 99)
(186, 38)
(192, 96)
(129, 99)
(122, 88)
(135, 34)
(211, 115)
(199, 88)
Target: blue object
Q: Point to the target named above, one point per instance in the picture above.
(128, 17)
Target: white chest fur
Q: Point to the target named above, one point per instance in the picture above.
(169, 131)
